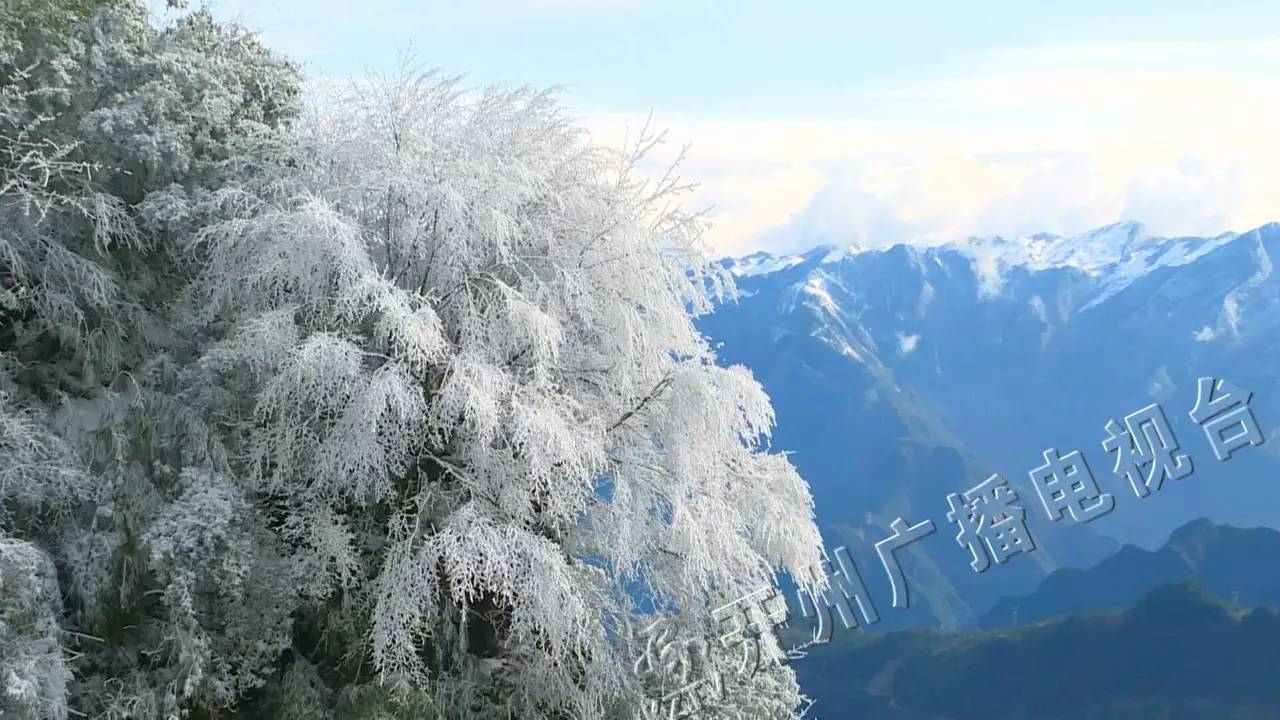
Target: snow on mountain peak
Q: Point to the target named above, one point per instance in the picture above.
(765, 263)
(1118, 254)
(1092, 252)
(762, 263)
(836, 253)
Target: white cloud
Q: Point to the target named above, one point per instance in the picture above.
(1179, 136)
(907, 343)
(1193, 198)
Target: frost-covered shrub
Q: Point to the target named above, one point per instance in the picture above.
(33, 673)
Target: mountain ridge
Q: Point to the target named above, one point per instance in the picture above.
(1179, 652)
(1091, 250)
(898, 377)
(1221, 558)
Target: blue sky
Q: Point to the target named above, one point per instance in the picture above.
(878, 122)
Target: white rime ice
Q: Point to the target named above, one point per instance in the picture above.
(386, 405)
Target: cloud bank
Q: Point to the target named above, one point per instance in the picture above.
(1180, 136)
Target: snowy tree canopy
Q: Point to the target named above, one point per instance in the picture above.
(389, 404)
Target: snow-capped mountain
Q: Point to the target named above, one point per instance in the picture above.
(1122, 252)
(901, 375)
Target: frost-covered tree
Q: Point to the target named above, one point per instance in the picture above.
(482, 416)
(115, 140)
(394, 409)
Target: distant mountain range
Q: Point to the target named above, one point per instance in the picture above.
(1230, 562)
(1180, 653)
(904, 374)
